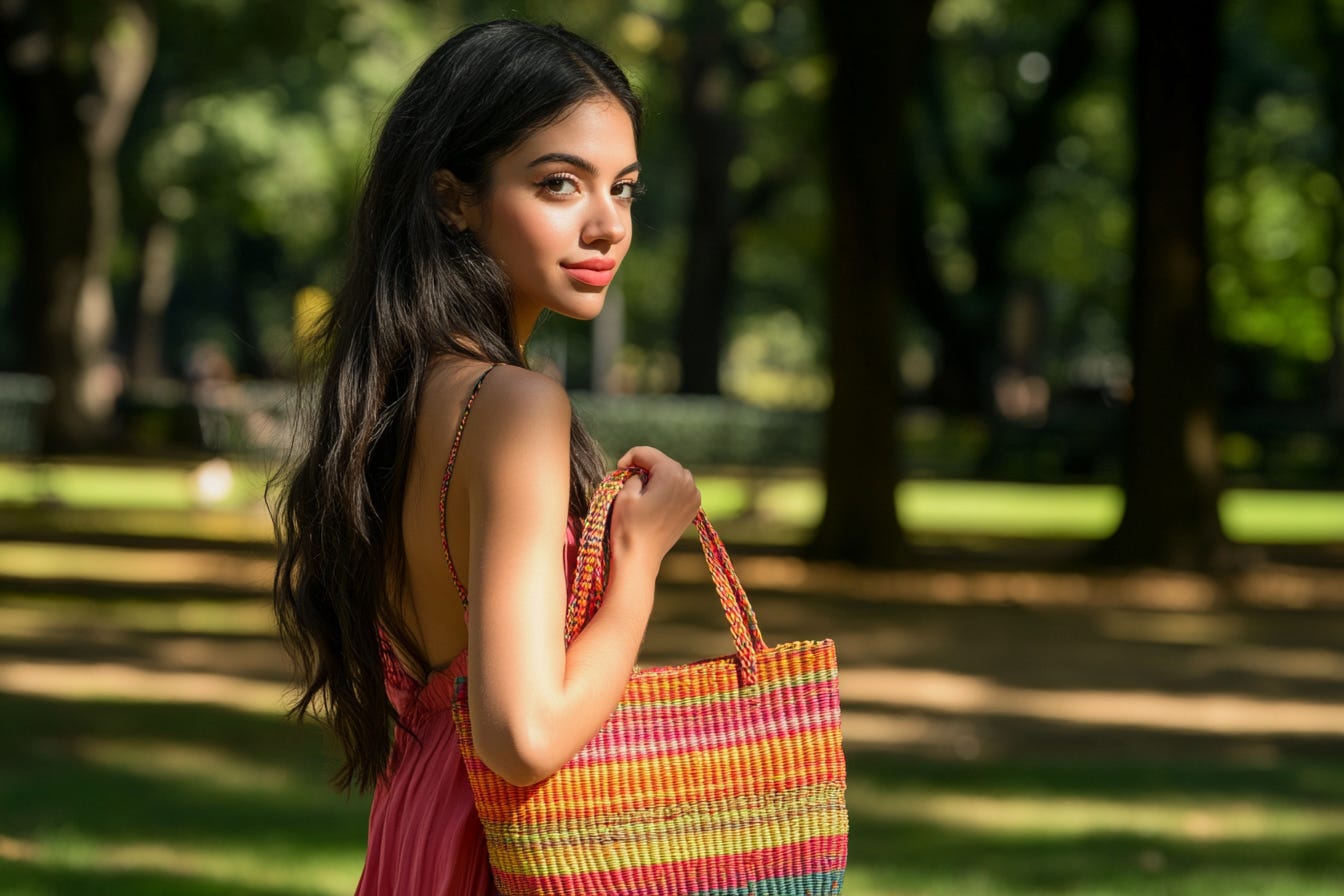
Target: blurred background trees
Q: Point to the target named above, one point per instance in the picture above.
(965, 243)
(877, 57)
(73, 74)
(1171, 466)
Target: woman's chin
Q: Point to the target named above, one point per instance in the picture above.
(582, 307)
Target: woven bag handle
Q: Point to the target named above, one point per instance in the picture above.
(590, 574)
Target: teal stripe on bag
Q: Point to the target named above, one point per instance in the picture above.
(820, 884)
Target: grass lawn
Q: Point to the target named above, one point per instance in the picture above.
(996, 747)
(150, 758)
(790, 503)
(1094, 827)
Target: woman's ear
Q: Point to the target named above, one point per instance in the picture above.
(453, 203)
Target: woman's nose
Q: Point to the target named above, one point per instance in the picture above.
(606, 224)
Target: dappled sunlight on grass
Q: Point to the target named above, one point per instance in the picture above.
(1156, 589)
(1217, 713)
(143, 566)
(122, 485)
(1304, 664)
(1011, 730)
(790, 499)
(1192, 818)
(103, 626)
(170, 798)
(723, 496)
(1092, 827)
(249, 868)
(1081, 511)
(72, 613)
(120, 681)
(34, 879)
(1174, 627)
(923, 859)
(1263, 515)
(1060, 511)
(190, 763)
(246, 524)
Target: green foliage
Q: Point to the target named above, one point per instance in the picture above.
(1276, 189)
(773, 360)
(257, 122)
(1274, 192)
(260, 119)
(992, 61)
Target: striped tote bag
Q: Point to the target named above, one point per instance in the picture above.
(715, 778)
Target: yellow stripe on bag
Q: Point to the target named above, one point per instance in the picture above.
(720, 834)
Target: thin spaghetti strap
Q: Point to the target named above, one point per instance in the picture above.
(443, 488)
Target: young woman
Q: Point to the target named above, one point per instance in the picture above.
(440, 473)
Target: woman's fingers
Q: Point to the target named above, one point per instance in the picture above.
(642, 456)
(658, 510)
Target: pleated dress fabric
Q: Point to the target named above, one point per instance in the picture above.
(425, 838)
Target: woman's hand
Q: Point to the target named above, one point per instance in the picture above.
(649, 517)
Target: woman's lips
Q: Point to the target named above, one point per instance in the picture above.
(594, 272)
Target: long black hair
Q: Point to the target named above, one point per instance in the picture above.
(416, 289)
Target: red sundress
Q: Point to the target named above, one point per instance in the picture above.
(425, 838)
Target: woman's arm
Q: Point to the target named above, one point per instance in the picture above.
(534, 704)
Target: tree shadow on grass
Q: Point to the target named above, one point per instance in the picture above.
(36, 879)
(990, 733)
(114, 591)
(1315, 783)
(118, 772)
(910, 852)
(254, 657)
(931, 858)
(82, 536)
(1274, 653)
(252, 781)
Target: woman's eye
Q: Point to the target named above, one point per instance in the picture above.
(560, 186)
(628, 189)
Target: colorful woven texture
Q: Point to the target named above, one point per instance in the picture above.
(724, 776)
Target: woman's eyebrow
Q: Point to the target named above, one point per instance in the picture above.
(577, 162)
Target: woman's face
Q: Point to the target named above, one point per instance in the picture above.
(557, 214)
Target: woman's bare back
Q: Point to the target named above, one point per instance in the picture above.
(432, 607)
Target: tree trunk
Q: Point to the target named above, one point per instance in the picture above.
(1172, 472)
(707, 87)
(158, 253)
(877, 53)
(72, 96)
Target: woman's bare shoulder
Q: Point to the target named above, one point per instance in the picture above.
(513, 403)
(521, 389)
(504, 389)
